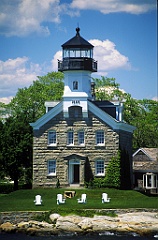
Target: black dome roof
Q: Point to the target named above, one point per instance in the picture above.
(77, 42)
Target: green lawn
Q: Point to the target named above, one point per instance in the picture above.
(22, 200)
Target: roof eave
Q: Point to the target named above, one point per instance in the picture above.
(112, 122)
(48, 116)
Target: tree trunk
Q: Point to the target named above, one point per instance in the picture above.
(15, 183)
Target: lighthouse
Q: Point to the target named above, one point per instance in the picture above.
(77, 64)
(77, 137)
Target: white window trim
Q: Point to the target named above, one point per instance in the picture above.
(52, 173)
(99, 144)
(52, 144)
(99, 174)
(153, 181)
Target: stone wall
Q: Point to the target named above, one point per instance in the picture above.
(21, 216)
(138, 222)
(90, 152)
(16, 217)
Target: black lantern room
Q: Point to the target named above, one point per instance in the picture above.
(77, 55)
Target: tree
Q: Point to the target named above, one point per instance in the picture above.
(108, 89)
(30, 101)
(2, 174)
(4, 111)
(113, 175)
(27, 106)
(143, 114)
(17, 149)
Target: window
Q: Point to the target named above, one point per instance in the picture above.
(99, 168)
(52, 138)
(75, 85)
(100, 137)
(149, 181)
(81, 137)
(52, 167)
(70, 138)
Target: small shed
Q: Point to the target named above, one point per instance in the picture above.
(145, 169)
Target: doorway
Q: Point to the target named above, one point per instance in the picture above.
(74, 172)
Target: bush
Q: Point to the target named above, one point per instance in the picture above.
(9, 187)
(112, 178)
(6, 188)
(99, 182)
(113, 175)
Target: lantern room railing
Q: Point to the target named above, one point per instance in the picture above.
(77, 64)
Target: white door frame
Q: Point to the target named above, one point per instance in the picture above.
(71, 169)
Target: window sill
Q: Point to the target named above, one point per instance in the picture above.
(100, 145)
(51, 175)
(51, 145)
(99, 175)
(76, 146)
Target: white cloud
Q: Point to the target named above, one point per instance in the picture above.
(108, 57)
(14, 74)
(22, 17)
(112, 6)
(20, 72)
(155, 98)
(6, 100)
(54, 62)
(105, 52)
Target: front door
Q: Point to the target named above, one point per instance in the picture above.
(74, 172)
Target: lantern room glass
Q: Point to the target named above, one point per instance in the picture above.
(77, 53)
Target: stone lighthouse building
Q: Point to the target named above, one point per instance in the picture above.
(77, 137)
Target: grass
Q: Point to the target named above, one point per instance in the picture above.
(22, 200)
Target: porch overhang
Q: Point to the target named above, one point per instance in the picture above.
(75, 156)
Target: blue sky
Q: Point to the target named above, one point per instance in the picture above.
(123, 32)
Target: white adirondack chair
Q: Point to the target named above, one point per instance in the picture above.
(38, 200)
(60, 199)
(105, 198)
(82, 199)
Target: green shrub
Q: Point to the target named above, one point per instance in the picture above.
(113, 175)
(6, 188)
(112, 178)
(99, 182)
(79, 212)
(42, 217)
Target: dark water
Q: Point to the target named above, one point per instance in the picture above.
(102, 236)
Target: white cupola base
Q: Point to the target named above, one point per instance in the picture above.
(77, 90)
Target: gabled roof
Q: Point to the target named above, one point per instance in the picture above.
(77, 42)
(152, 153)
(105, 117)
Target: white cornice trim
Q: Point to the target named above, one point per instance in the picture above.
(48, 116)
(142, 150)
(112, 122)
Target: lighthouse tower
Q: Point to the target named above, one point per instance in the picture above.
(77, 65)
